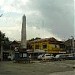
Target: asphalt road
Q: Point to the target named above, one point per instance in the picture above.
(37, 68)
(64, 73)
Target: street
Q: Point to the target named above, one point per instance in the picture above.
(38, 68)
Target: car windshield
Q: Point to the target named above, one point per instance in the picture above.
(47, 54)
(57, 56)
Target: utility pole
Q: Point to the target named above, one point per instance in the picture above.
(1, 45)
(1, 51)
(72, 44)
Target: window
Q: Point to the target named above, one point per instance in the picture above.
(56, 46)
(36, 46)
(24, 55)
(48, 55)
(62, 46)
(20, 54)
(44, 46)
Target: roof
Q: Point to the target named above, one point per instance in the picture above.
(15, 42)
(50, 40)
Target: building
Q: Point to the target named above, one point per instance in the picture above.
(69, 46)
(40, 46)
(49, 45)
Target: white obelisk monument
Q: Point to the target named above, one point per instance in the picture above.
(23, 33)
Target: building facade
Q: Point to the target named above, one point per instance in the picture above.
(49, 45)
(69, 46)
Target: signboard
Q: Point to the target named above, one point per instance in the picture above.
(24, 54)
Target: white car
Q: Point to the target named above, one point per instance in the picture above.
(40, 56)
(9, 57)
(47, 57)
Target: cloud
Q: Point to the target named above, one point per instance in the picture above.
(12, 5)
(1, 2)
(33, 32)
(54, 17)
(58, 16)
(13, 33)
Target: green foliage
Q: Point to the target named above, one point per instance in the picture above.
(4, 41)
(35, 39)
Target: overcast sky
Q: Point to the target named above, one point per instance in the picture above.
(45, 18)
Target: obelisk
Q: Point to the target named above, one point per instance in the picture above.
(23, 33)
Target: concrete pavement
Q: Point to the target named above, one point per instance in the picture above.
(38, 68)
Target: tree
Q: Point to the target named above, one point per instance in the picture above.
(4, 41)
(1, 38)
(35, 39)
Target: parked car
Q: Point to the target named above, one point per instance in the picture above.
(71, 57)
(47, 57)
(60, 57)
(9, 57)
(40, 57)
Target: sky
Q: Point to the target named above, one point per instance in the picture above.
(44, 18)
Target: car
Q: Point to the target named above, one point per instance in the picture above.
(47, 57)
(9, 57)
(60, 57)
(40, 57)
(71, 57)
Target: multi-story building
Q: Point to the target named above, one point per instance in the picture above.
(50, 45)
(39, 46)
(69, 46)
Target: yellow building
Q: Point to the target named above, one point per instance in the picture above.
(50, 45)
